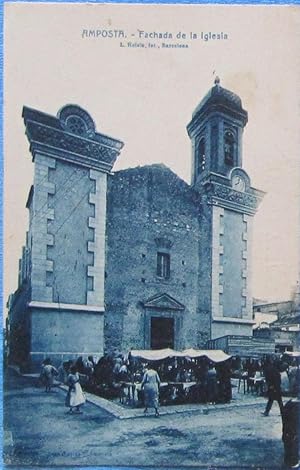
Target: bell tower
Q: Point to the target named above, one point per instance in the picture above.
(228, 204)
(216, 132)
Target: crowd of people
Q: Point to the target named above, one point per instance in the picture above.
(255, 369)
(210, 383)
(112, 375)
(212, 380)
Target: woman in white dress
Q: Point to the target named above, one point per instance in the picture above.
(75, 396)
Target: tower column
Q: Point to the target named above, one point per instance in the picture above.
(68, 220)
(95, 271)
(228, 204)
(231, 246)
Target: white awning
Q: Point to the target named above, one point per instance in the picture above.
(155, 354)
(214, 355)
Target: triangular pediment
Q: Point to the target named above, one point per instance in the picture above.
(163, 301)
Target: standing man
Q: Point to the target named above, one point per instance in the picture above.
(273, 380)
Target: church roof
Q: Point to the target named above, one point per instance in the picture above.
(217, 100)
(219, 95)
(154, 168)
(158, 175)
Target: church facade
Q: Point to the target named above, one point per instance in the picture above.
(137, 258)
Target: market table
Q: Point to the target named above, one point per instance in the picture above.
(184, 385)
(134, 387)
(257, 383)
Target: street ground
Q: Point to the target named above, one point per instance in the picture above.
(38, 432)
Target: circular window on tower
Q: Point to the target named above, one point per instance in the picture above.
(76, 121)
(229, 147)
(76, 125)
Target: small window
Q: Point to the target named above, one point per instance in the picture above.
(163, 265)
(229, 147)
(201, 156)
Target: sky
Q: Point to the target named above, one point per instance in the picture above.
(145, 97)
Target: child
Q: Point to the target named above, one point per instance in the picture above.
(75, 396)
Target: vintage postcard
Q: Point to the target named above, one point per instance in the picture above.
(151, 233)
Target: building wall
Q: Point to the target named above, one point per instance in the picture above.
(65, 334)
(70, 231)
(144, 205)
(231, 305)
(219, 329)
(41, 239)
(232, 265)
(205, 279)
(61, 314)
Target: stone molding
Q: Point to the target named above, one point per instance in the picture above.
(41, 238)
(97, 246)
(59, 306)
(217, 268)
(245, 265)
(248, 221)
(175, 314)
(243, 321)
(55, 353)
(163, 301)
(228, 198)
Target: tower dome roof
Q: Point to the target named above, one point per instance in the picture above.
(219, 95)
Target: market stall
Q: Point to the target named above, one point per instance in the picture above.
(187, 376)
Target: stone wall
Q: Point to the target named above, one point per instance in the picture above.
(219, 329)
(232, 297)
(63, 261)
(41, 239)
(65, 334)
(151, 209)
(204, 286)
(69, 229)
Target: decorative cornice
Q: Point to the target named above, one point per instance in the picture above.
(225, 196)
(163, 301)
(72, 137)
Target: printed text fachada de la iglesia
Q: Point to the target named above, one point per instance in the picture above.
(204, 36)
